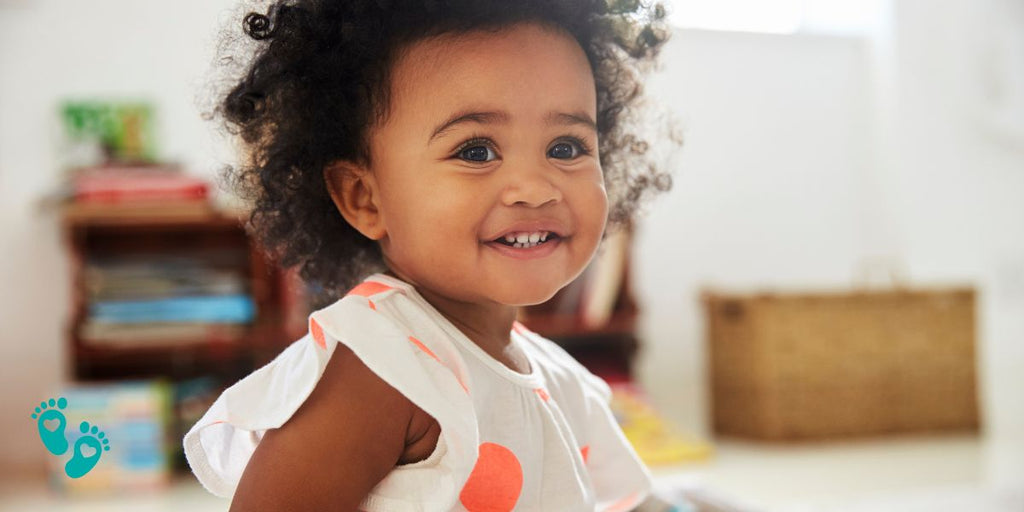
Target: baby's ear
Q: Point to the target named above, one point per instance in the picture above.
(355, 193)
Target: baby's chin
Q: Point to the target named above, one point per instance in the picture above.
(527, 294)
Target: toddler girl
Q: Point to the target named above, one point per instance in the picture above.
(432, 166)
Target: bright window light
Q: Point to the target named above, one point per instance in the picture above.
(773, 16)
(776, 16)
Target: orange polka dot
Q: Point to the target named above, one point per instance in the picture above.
(368, 288)
(318, 334)
(496, 481)
(372, 305)
(585, 452)
(542, 394)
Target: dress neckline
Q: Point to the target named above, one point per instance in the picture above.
(530, 380)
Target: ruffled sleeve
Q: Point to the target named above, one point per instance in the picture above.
(220, 444)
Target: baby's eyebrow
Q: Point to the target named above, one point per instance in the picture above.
(569, 119)
(502, 117)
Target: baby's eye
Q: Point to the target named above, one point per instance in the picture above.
(478, 153)
(567, 150)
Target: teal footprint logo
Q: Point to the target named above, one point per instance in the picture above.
(87, 451)
(52, 437)
(51, 424)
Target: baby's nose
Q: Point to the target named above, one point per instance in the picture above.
(531, 187)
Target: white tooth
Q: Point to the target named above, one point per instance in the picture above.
(523, 238)
(510, 239)
(534, 238)
(544, 236)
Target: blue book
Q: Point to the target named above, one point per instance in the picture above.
(214, 309)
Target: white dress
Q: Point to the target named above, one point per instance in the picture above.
(509, 441)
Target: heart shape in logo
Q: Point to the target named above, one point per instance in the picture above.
(87, 451)
(55, 423)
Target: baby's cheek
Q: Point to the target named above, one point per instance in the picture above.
(594, 201)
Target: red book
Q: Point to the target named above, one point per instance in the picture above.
(136, 184)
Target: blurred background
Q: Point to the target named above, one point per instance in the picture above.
(825, 313)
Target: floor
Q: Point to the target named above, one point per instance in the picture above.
(910, 474)
(916, 474)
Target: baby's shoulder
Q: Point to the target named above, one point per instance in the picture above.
(390, 333)
(366, 348)
(389, 330)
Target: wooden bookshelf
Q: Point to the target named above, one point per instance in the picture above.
(118, 231)
(156, 228)
(205, 358)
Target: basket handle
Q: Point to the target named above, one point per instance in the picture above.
(896, 268)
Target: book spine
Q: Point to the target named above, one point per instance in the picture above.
(141, 194)
(228, 308)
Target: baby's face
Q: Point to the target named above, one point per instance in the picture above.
(491, 136)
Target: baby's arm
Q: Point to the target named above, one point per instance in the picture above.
(345, 438)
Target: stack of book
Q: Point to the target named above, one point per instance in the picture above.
(136, 191)
(151, 299)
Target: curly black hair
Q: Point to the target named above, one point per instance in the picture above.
(315, 80)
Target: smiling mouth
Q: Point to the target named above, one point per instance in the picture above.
(526, 240)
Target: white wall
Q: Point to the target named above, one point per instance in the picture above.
(807, 155)
(51, 50)
(957, 182)
(790, 175)
(769, 189)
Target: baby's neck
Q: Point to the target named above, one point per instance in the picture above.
(486, 325)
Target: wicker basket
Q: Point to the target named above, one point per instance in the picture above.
(827, 365)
